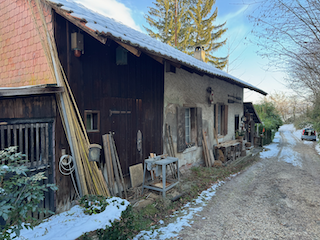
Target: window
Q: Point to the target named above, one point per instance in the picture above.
(92, 120)
(189, 127)
(236, 123)
(221, 119)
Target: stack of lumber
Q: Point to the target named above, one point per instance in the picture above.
(208, 155)
(114, 170)
(168, 142)
(89, 177)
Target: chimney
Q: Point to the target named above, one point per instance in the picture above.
(199, 53)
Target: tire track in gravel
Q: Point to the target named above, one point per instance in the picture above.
(273, 199)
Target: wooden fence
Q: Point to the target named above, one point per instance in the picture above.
(35, 140)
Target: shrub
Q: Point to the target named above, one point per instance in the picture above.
(21, 193)
(93, 204)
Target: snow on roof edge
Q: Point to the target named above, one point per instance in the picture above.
(106, 27)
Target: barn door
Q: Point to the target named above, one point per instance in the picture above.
(125, 117)
(34, 138)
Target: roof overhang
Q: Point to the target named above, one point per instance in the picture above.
(249, 108)
(30, 90)
(172, 56)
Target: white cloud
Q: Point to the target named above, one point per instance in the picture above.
(232, 15)
(112, 9)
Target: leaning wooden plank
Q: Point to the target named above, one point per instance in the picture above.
(210, 151)
(211, 159)
(206, 147)
(168, 139)
(119, 166)
(108, 163)
(115, 168)
(111, 166)
(171, 143)
(136, 174)
(204, 154)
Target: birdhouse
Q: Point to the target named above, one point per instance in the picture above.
(77, 43)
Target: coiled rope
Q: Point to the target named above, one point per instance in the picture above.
(66, 168)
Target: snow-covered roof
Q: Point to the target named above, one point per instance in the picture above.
(101, 26)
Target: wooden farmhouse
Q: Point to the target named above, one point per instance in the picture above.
(123, 81)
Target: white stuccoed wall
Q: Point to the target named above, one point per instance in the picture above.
(184, 88)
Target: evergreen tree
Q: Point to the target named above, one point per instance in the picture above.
(205, 33)
(194, 26)
(162, 18)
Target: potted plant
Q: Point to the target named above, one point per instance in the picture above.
(239, 134)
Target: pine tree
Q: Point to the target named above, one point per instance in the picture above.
(205, 33)
(162, 18)
(194, 26)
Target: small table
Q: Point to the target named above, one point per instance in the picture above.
(163, 163)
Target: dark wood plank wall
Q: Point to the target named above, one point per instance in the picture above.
(99, 84)
(41, 108)
(32, 107)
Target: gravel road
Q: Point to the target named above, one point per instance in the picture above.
(277, 198)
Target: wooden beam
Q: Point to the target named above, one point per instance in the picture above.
(158, 59)
(175, 64)
(9, 92)
(131, 49)
(187, 69)
(77, 22)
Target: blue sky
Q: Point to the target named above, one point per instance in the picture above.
(244, 61)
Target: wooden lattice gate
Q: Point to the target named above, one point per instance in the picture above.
(34, 138)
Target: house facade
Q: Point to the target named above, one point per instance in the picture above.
(123, 81)
(188, 93)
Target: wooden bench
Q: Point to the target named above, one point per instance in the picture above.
(230, 149)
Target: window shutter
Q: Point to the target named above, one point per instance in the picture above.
(225, 130)
(215, 114)
(199, 125)
(181, 136)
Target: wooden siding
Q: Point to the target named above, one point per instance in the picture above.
(28, 122)
(28, 107)
(135, 89)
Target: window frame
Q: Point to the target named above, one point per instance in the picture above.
(187, 125)
(91, 112)
(221, 119)
(195, 127)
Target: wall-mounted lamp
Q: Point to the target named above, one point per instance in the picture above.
(210, 97)
(243, 118)
(94, 152)
(77, 43)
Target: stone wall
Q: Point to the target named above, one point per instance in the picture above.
(190, 90)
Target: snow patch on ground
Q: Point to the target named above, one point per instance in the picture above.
(287, 127)
(182, 217)
(277, 138)
(318, 148)
(289, 156)
(270, 151)
(72, 224)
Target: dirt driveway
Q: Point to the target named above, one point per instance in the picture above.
(277, 198)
